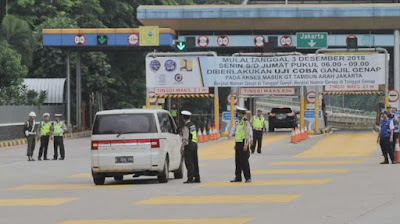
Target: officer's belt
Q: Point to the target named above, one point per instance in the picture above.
(258, 129)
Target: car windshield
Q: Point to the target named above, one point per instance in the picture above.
(124, 124)
(284, 110)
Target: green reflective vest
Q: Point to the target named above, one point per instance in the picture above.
(58, 131)
(240, 134)
(258, 122)
(44, 128)
(174, 113)
(192, 132)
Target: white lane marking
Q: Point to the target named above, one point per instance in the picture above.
(10, 164)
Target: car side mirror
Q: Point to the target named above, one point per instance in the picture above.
(297, 112)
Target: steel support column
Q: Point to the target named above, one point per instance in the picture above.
(78, 89)
(67, 62)
(396, 62)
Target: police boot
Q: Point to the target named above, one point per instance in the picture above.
(385, 162)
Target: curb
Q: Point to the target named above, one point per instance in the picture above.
(15, 142)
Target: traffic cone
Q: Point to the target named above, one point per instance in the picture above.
(205, 135)
(293, 137)
(306, 132)
(200, 137)
(297, 132)
(211, 134)
(397, 151)
(215, 134)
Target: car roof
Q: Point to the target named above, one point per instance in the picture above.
(130, 111)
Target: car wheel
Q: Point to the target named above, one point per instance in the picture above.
(98, 179)
(119, 178)
(178, 174)
(163, 176)
(271, 129)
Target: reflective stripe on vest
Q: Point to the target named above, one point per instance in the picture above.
(193, 133)
(44, 128)
(239, 132)
(258, 122)
(57, 126)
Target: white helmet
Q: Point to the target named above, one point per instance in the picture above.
(46, 115)
(32, 114)
(187, 113)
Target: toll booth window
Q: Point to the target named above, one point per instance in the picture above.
(124, 124)
(165, 123)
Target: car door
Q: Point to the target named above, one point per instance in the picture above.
(177, 142)
(166, 129)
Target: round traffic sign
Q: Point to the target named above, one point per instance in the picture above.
(310, 97)
(79, 39)
(259, 40)
(152, 98)
(235, 98)
(349, 37)
(133, 39)
(203, 41)
(286, 41)
(393, 95)
(223, 40)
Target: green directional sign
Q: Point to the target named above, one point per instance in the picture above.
(102, 39)
(180, 45)
(312, 40)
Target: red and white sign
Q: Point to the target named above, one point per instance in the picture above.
(181, 90)
(133, 39)
(259, 40)
(223, 41)
(286, 41)
(152, 99)
(310, 97)
(267, 91)
(349, 37)
(235, 98)
(203, 41)
(393, 96)
(79, 39)
(362, 87)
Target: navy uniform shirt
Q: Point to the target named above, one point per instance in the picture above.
(386, 126)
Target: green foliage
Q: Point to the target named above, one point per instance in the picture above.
(12, 71)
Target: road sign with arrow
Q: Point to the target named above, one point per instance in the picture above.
(312, 40)
(180, 45)
(102, 39)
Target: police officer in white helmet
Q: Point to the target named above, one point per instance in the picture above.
(30, 134)
(189, 149)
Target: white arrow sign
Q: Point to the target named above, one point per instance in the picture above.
(312, 43)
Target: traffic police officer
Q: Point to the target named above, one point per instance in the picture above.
(59, 128)
(393, 116)
(45, 132)
(243, 136)
(30, 134)
(189, 149)
(385, 138)
(258, 123)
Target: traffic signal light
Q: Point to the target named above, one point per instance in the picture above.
(180, 45)
(352, 42)
(271, 44)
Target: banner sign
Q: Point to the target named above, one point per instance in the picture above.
(311, 70)
(364, 87)
(262, 91)
(180, 90)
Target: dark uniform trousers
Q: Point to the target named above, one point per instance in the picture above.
(257, 139)
(31, 139)
(387, 148)
(192, 161)
(59, 142)
(242, 162)
(44, 144)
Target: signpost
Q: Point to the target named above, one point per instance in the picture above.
(312, 40)
(393, 95)
(133, 39)
(310, 97)
(149, 36)
(286, 41)
(234, 97)
(203, 41)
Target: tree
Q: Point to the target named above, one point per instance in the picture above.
(12, 71)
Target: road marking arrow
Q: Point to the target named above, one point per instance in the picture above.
(311, 43)
(180, 46)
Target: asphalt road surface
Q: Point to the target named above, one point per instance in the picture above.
(328, 179)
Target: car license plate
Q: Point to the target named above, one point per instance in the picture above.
(279, 118)
(124, 159)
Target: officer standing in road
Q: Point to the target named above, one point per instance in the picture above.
(30, 134)
(258, 124)
(189, 149)
(393, 116)
(59, 128)
(385, 138)
(45, 132)
(243, 136)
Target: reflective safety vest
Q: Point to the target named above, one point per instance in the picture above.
(174, 113)
(192, 132)
(240, 134)
(44, 128)
(258, 122)
(57, 127)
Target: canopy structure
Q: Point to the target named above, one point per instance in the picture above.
(354, 93)
(54, 88)
(182, 96)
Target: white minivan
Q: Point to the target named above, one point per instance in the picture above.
(135, 141)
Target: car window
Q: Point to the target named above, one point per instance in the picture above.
(173, 124)
(284, 110)
(165, 123)
(124, 124)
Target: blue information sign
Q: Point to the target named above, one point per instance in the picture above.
(226, 116)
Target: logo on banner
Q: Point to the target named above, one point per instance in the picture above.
(186, 65)
(79, 39)
(223, 41)
(170, 65)
(155, 65)
(286, 41)
(203, 41)
(259, 40)
(178, 77)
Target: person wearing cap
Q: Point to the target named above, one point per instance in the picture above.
(45, 128)
(59, 128)
(30, 134)
(258, 124)
(243, 136)
(189, 149)
(385, 138)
